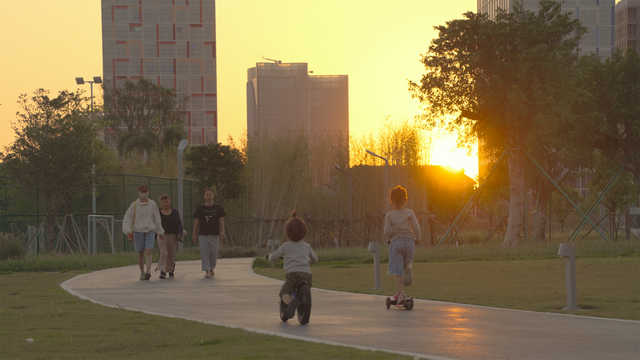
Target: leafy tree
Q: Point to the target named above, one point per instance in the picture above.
(216, 166)
(623, 192)
(55, 149)
(610, 111)
(501, 80)
(144, 115)
(495, 195)
(561, 208)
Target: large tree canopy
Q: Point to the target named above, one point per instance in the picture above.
(501, 80)
(139, 109)
(55, 149)
(218, 167)
(610, 111)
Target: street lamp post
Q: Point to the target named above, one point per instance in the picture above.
(350, 200)
(183, 144)
(375, 246)
(80, 81)
(386, 182)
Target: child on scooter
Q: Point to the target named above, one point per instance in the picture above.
(298, 255)
(403, 230)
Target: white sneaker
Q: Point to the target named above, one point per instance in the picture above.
(142, 276)
(401, 300)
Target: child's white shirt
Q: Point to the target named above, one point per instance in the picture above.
(401, 224)
(298, 255)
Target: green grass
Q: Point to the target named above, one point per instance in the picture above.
(606, 286)
(32, 305)
(591, 248)
(51, 262)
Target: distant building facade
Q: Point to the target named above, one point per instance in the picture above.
(282, 97)
(597, 15)
(172, 43)
(628, 25)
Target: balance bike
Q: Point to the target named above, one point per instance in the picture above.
(302, 292)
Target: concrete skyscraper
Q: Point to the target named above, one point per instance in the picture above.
(172, 43)
(283, 97)
(628, 25)
(596, 15)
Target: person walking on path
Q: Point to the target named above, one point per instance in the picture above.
(141, 223)
(210, 219)
(298, 255)
(172, 225)
(403, 230)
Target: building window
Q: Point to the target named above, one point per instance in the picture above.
(193, 47)
(162, 69)
(151, 68)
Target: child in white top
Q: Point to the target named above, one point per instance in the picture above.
(298, 255)
(403, 230)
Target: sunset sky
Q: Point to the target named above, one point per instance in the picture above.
(46, 44)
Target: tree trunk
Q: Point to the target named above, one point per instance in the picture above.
(627, 222)
(515, 224)
(542, 213)
(50, 235)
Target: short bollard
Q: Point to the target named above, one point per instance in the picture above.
(568, 252)
(374, 247)
(270, 244)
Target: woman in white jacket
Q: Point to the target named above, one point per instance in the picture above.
(141, 223)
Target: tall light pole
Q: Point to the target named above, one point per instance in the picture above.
(350, 200)
(80, 81)
(183, 144)
(386, 182)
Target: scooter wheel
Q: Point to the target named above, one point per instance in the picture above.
(408, 304)
(388, 302)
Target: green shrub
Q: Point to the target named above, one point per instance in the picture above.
(11, 247)
(237, 252)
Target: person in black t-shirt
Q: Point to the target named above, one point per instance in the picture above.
(172, 225)
(210, 219)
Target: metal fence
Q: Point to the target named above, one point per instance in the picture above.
(21, 214)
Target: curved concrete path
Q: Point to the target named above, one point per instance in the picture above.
(434, 330)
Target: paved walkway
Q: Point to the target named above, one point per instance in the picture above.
(434, 330)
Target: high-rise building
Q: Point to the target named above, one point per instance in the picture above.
(596, 15)
(172, 43)
(628, 24)
(283, 96)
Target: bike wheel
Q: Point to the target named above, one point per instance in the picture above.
(304, 307)
(283, 309)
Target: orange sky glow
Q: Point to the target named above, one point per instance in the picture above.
(46, 44)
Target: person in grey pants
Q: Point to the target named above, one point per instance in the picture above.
(210, 221)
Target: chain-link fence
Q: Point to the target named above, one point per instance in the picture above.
(23, 214)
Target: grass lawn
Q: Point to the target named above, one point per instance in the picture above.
(33, 305)
(606, 287)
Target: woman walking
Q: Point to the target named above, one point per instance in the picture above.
(141, 223)
(172, 225)
(210, 219)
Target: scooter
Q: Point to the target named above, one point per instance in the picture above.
(408, 303)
